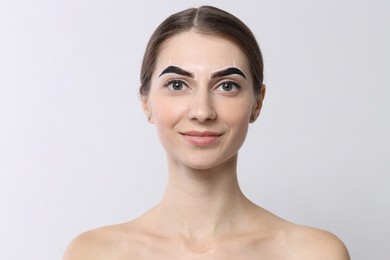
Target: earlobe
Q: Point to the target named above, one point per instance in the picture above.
(148, 117)
(258, 104)
(254, 116)
(146, 109)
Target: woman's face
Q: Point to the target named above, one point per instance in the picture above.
(201, 99)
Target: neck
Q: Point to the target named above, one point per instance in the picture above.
(202, 203)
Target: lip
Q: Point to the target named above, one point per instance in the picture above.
(201, 138)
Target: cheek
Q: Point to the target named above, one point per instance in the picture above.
(164, 121)
(241, 123)
(238, 112)
(238, 120)
(165, 114)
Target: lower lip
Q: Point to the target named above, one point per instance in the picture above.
(202, 141)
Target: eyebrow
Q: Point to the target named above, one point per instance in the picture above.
(176, 70)
(227, 72)
(218, 74)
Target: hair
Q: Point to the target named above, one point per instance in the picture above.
(206, 20)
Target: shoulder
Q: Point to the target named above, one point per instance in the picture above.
(88, 245)
(100, 243)
(313, 243)
(287, 240)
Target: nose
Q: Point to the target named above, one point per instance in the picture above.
(201, 106)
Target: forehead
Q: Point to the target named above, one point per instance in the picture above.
(194, 50)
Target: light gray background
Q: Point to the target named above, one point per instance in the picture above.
(76, 151)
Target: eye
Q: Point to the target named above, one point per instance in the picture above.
(175, 85)
(228, 86)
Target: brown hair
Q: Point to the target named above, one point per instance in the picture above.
(205, 20)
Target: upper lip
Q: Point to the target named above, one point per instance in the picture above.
(201, 133)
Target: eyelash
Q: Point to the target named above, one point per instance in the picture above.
(169, 84)
(234, 84)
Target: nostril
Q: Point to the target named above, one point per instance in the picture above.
(202, 109)
(202, 115)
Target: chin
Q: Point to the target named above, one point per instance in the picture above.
(204, 164)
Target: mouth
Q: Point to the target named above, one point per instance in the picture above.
(201, 138)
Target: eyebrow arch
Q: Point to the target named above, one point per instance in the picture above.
(228, 71)
(176, 70)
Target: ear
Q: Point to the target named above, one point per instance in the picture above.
(258, 104)
(146, 108)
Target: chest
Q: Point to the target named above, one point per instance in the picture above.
(235, 249)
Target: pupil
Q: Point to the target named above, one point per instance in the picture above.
(177, 85)
(227, 86)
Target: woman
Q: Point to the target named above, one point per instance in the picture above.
(201, 85)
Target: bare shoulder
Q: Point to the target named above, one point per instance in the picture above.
(101, 243)
(313, 243)
(287, 240)
(89, 245)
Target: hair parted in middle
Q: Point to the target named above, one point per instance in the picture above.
(206, 20)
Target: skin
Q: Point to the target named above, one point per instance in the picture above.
(203, 213)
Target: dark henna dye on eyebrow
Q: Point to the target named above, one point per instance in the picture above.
(176, 70)
(227, 72)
